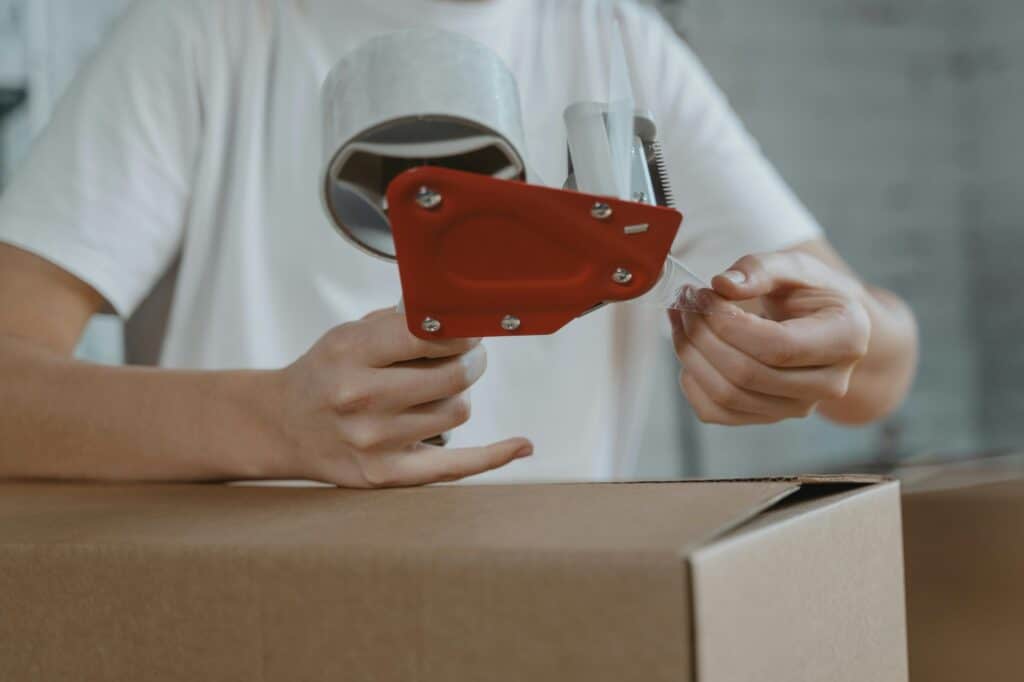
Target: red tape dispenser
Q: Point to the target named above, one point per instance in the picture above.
(424, 141)
(480, 256)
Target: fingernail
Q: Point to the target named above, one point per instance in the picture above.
(475, 361)
(735, 276)
(704, 301)
(524, 452)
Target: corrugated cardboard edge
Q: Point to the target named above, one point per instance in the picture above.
(878, 623)
(840, 481)
(809, 479)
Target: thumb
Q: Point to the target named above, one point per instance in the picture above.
(765, 274)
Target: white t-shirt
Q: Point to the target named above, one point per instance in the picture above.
(194, 137)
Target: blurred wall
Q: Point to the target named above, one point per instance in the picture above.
(992, 71)
(894, 121)
(44, 43)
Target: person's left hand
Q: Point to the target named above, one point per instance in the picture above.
(741, 368)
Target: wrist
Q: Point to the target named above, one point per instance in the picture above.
(251, 432)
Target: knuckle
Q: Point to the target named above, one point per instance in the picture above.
(338, 334)
(733, 399)
(685, 357)
(344, 337)
(382, 314)
(710, 417)
(465, 345)
(700, 408)
(836, 388)
(724, 394)
(457, 378)
(750, 263)
(744, 373)
(331, 348)
(804, 263)
(800, 259)
(353, 398)
(701, 411)
(781, 354)
(364, 437)
(684, 380)
(461, 410)
(447, 348)
(724, 326)
(855, 347)
(379, 477)
(801, 410)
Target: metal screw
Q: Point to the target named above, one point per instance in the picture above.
(431, 326)
(622, 276)
(428, 198)
(640, 197)
(511, 323)
(601, 211)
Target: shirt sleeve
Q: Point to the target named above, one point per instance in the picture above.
(104, 191)
(733, 200)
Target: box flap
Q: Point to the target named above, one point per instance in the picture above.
(811, 590)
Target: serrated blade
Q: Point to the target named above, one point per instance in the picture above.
(659, 175)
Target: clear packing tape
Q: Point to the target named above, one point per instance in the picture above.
(599, 141)
(677, 289)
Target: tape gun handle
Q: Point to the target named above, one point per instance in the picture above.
(441, 439)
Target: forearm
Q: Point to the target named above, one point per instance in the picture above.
(882, 379)
(63, 419)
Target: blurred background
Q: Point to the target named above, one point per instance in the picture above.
(896, 121)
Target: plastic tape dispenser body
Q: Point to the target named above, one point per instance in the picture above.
(425, 166)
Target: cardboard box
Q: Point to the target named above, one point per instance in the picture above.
(795, 580)
(964, 546)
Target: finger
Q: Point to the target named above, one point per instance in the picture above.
(385, 339)
(418, 424)
(710, 412)
(803, 383)
(767, 273)
(675, 320)
(833, 335)
(425, 464)
(732, 397)
(419, 382)
(382, 312)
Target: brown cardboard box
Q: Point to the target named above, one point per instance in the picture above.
(796, 580)
(964, 546)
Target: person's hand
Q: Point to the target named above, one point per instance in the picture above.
(741, 368)
(355, 409)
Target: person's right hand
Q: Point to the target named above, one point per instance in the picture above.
(355, 409)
